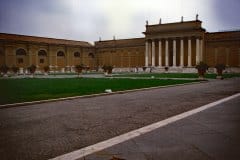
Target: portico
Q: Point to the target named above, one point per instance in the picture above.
(174, 45)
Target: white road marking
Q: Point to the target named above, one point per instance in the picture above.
(127, 136)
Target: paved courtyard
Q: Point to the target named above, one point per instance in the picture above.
(210, 134)
(44, 131)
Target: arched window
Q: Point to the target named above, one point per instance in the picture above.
(91, 54)
(76, 54)
(21, 52)
(42, 53)
(60, 54)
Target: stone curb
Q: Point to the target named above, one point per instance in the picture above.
(163, 78)
(93, 95)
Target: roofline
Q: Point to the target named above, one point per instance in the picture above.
(11, 34)
(222, 32)
(120, 39)
(174, 23)
(202, 29)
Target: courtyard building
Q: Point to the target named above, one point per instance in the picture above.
(179, 46)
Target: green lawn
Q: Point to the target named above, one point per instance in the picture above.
(175, 75)
(30, 89)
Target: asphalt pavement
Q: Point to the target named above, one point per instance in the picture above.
(43, 131)
(213, 134)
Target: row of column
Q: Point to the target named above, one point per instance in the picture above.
(150, 48)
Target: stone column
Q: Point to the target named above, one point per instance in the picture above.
(49, 57)
(201, 50)
(6, 56)
(182, 53)
(174, 53)
(189, 52)
(149, 53)
(68, 57)
(146, 53)
(166, 54)
(122, 57)
(29, 55)
(197, 51)
(111, 58)
(56, 59)
(160, 53)
(68, 67)
(129, 60)
(153, 53)
(216, 56)
(36, 59)
(227, 59)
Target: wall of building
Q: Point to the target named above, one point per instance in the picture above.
(223, 48)
(8, 56)
(219, 48)
(126, 53)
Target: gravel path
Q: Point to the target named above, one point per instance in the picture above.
(47, 130)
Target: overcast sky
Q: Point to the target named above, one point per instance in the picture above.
(87, 20)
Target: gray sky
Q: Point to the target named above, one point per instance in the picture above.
(87, 20)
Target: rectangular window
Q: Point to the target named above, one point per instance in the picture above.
(41, 61)
(20, 60)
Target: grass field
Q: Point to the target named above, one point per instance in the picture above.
(32, 89)
(176, 75)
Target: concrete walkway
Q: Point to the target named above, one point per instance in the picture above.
(210, 134)
(43, 131)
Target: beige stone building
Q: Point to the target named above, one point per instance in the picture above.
(178, 46)
(123, 54)
(58, 54)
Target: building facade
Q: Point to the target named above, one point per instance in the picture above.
(124, 54)
(59, 55)
(175, 44)
(178, 46)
